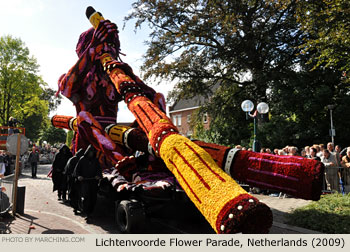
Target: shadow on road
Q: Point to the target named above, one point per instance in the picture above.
(57, 231)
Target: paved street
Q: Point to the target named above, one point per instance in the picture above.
(45, 214)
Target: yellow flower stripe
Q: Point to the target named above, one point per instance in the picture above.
(116, 133)
(74, 124)
(208, 187)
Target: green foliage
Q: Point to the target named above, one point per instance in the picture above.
(49, 95)
(24, 94)
(251, 49)
(54, 135)
(299, 110)
(327, 24)
(70, 135)
(200, 43)
(330, 215)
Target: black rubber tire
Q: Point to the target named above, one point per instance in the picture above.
(130, 216)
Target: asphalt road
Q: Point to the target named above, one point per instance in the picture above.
(169, 218)
(43, 209)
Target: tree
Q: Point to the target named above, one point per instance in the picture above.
(49, 95)
(54, 135)
(252, 49)
(327, 23)
(69, 139)
(245, 46)
(24, 95)
(203, 42)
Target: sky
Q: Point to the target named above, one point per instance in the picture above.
(50, 29)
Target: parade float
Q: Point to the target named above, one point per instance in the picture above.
(95, 85)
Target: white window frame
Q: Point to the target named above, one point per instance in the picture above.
(174, 120)
(189, 118)
(179, 120)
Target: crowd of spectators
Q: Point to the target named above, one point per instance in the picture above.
(335, 160)
(46, 154)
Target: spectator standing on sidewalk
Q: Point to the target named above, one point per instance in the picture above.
(331, 170)
(303, 153)
(338, 150)
(33, 160)
(345, 163)
(307, 150)
(330, 148)
(313, 154)
(320, 150)
(293, 151)
(281, 153)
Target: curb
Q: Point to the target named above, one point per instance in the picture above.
(294, 228)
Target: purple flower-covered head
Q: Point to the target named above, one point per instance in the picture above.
(111, 44)
(84, 41)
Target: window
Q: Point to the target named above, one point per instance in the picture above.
(179, 120)
(174, 120)
(188, 118)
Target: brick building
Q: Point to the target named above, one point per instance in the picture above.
(182, 111)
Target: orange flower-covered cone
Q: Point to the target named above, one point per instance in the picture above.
(226, 206)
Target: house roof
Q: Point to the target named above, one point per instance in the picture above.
(184, 104)
(195, 102)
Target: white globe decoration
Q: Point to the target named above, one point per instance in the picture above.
(247, 106)
(263, 108)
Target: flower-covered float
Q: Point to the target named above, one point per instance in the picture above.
(95, 85)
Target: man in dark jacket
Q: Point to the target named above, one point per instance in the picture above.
(88, 172)
(33, 159)
(71, 185)
(58, 165)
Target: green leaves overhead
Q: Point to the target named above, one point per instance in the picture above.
(23, 93)
(200, 43)
(327, 24)
(54, 135)
(262, 50)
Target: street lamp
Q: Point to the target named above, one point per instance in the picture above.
(262, 108)
(332, 130)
